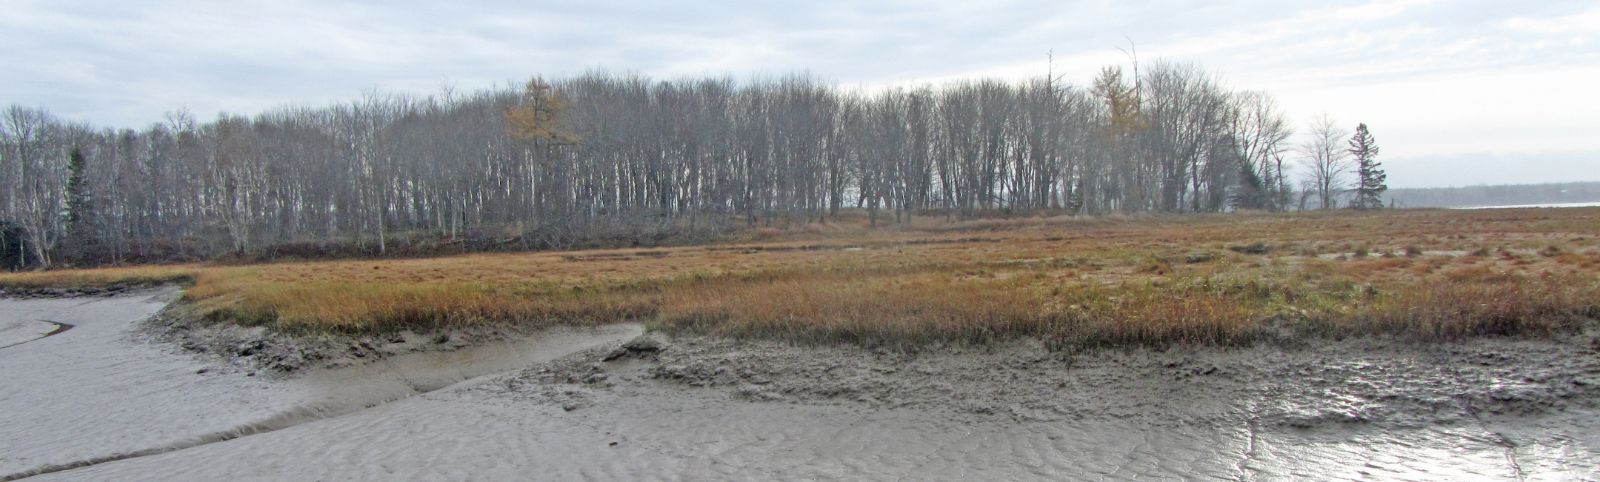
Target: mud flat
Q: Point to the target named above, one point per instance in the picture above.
(695, 408)
(107, 390)
(107, 401)
(16, 331)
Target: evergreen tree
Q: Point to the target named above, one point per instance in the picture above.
(77, 193)
(1370, 185)
(13, 247)
(1252, 192)
(77, 204)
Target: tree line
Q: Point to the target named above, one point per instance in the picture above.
(605, 158)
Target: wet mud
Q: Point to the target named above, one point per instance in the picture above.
(106, 392)
(592, 405)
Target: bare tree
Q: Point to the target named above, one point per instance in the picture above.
(1262, 134)
(36, 177)
(605, 158)
(1326, 160)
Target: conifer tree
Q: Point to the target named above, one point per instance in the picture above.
(77, 193)
(1370, 184)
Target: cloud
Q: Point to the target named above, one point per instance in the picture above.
(1421, 70)
(1586, 22)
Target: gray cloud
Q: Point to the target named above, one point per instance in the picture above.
(1417, 70)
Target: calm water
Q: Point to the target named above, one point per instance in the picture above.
(1549, 205)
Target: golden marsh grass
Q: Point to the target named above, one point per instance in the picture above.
(1211, 279)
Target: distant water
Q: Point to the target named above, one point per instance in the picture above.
(1548, 205)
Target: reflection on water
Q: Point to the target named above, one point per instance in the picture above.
(1442, 453)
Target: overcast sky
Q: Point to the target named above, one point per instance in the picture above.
(1457, 93)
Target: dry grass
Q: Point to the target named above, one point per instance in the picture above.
(99, 278)
(1216, 279)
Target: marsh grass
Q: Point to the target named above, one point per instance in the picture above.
(99, 278)
(1208, 280)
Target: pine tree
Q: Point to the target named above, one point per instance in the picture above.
(1370, 187)
(77, 204)
(77, 191)
(1252, 191)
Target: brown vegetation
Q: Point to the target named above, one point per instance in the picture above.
(1216, 279)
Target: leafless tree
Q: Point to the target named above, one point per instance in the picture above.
(605, 158)
(1325, 159)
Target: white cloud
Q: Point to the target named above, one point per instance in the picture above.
(1373, 10)
(1586, 22)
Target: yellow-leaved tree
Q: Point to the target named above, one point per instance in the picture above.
(537, 121)
(537, 115)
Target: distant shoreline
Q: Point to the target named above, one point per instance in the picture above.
(1543, 205)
